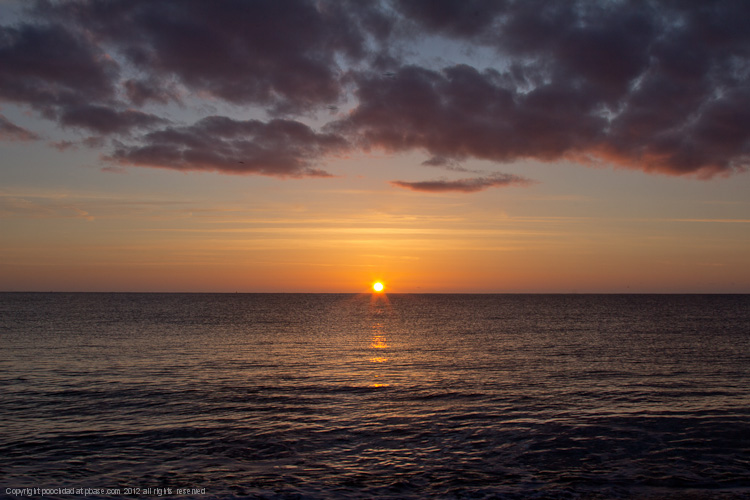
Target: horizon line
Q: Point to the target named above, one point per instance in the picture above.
(366, 292)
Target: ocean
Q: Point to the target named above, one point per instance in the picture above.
(398, 396)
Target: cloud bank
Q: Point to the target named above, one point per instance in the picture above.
(661, 87)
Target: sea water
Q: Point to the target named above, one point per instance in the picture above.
(319, 396)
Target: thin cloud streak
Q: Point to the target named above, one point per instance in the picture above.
(722, 221)
(9, 131)
(464, 185)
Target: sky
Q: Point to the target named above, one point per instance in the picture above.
(318, 146)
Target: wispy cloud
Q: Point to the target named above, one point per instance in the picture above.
(40, 208)
(9, 131)
(471, 185)
(446, 163)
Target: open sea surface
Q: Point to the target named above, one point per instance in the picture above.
(317, 396)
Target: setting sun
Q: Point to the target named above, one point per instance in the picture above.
(378, 287)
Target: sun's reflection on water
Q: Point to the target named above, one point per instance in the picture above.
(378, 338)
(378, 354)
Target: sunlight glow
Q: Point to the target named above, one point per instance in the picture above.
(378, 287)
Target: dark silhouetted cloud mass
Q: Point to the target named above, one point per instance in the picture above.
(661, 87)
(280, 147)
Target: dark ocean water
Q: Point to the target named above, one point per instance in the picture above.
(342, 396)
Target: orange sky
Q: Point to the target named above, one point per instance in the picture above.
(339, 235)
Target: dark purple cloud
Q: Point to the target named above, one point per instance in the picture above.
(464, 185)
(60, 73)
(278, 54)
(65, 59)
(659, 86)
(460, 113)
(141, 92)
(53, 69)
(9, 131)
(283, 148)
(105, 120)
(48, 65)
(656, 86)
(455, 18)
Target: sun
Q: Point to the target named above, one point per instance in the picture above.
(378, 287)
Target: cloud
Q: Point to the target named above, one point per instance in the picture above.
(283, 55)
(656, 124)
(39, 207)
(464, 185)
(283, 148)
(141, 92)
(456, 18)
(66, 77)
(661, 87)
(105, 120)
(9, 131)
(51, 67)
(460, 112)
(63, 145)
(446, 164)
